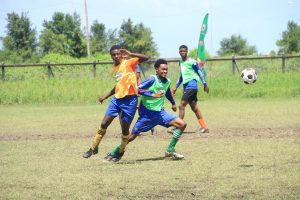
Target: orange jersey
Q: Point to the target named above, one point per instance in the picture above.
(124, 73)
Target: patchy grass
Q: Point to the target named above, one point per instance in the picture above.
(252, 152)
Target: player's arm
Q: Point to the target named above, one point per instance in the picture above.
(142, 87)
(178, 83)
(146, 84)
(141, 57)
(170, 97)
(112, 92)
(201, 75)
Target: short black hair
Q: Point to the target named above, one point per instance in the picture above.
(159, 62)
(114, 47)
(183, 46)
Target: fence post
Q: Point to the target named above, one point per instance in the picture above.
(3, 72)
(50, 73)
(94, 68)
(233, 64)
(283, 63)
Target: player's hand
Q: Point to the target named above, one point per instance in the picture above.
(173, 91)
(101, 99)
(174, 108)
(206, 89)
(158, 94)
(125, 53)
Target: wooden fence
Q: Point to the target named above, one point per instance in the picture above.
(94, 64)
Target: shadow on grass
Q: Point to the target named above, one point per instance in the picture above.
(144, 160)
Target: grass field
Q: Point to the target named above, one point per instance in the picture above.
(251, 152)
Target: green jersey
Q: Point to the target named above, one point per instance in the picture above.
(187, 71)
(153, 103)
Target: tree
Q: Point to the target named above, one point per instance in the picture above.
(137, 38)
(193, 53)
(20, 38)
(63, 35)
(101, 41)
(290, 42)
(236, 45)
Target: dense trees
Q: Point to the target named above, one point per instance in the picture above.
(20, 40)
(137, 38)
(290, 42)
(101, 40)
(63, 35)
(235, 45)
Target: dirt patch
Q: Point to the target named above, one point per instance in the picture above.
(162, 134)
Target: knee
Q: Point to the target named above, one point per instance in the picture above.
(182, 125)
(103, 125)
(181, 107)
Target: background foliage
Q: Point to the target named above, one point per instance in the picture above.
(63, 35)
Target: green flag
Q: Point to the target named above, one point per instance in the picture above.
(201, 47)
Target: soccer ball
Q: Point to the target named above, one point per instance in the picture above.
(249, 76)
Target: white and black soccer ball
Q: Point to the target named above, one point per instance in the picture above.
(249, 76)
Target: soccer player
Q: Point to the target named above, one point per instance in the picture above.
(190, 75)
(124, 102)
(139, 80)
(152, 113)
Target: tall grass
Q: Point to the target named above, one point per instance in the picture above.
(76, 84)
(88, 90)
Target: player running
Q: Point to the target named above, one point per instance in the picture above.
(124, 102)
(190, 74)
(152, 113)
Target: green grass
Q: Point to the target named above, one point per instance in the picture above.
(252, 152)
(68, 120)
(212, 169)
(88, 90)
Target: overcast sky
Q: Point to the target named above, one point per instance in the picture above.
(174, 22)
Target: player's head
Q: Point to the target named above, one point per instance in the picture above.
(161, 68)
(183, 51)
(115, 53)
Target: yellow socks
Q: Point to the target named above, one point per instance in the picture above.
(98, 137)
(124, 142)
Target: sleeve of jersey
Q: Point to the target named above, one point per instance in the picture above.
(170, 97)
(179, 81)
(144, 85)
(200, 73)
(133, 62)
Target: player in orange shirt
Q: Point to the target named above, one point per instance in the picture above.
(124, 102)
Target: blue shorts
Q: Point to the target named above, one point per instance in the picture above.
(125, 107)
(149, 119)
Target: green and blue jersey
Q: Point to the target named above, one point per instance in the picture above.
(190, 74)
(151, 86)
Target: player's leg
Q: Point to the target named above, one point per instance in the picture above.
(112, 155)
(143, 124)
(182, 106)
(98, 136)
(167, 120)
(179, 125)
(199, 116)
(128, 108)
(111, 112)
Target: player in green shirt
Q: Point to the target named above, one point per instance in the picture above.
(152, 112)
(190, 75)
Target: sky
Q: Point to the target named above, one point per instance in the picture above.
(174, 22)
